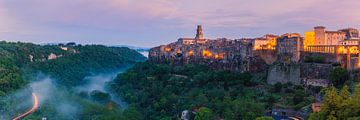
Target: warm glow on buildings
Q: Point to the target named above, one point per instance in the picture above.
(216, 56)
(309, 39)
(167, 49)
(221, 55)
(341, 50)
(261, 44)
(206, 53)
(191, 53)
(272, 40)
(353, 50)
(267, 42)
(178, 51)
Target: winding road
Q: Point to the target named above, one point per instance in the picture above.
(33, 109)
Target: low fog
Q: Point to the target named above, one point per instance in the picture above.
(56, 98)
(48, 94)
(97, 81)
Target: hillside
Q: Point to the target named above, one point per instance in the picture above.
(162, 91)
(58, 70)
(71, 69)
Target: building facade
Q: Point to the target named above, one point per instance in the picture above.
(289, 47)
(220, 53)
(267, 42)
(320, 36)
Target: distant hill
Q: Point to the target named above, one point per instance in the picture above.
(69, 64)
(134, 47)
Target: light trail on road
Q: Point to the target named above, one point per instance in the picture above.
(33, 109)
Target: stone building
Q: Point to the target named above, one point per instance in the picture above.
(343, 44)
(267, 42)
(289, 47)
(52, 56)
(309, 39)
(197, 40)
(323, 37)
(272, 40)
(319, 36)
(350, 33)
(221, 53)
(316, 107)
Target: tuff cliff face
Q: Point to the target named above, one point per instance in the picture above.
(284, 74)
(315, 70)
(222, 54)
(302, 73)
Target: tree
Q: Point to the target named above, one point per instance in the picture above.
(100, 97)
(132, 114)
(299, 96)
(338, 76)
(264, 118)
(344, 95)
(204, 114)
(277, 87)
(342, 105)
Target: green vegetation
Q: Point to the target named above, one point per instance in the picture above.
(70, 70)
(289, 96)
(204, 114)
(157, 91)
(10, 77)
(71, 106)
(341, 105)
(20, 64)
(73, 65)
(339, 76)
(264, 118)
(161, 91)
(315, 59)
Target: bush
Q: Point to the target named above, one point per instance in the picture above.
(339, 76)
(315, 59)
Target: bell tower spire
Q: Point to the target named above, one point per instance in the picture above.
(199, 33)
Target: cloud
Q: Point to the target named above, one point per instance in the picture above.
(121, 21)
(4, 21)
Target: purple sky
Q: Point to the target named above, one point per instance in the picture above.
(150, 23)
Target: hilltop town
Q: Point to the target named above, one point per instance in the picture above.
(306, 60)
(319, 40)
(266, 53)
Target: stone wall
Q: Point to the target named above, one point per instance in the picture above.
(269, 56)
(297, 73)
(284, 74)
(315, 70)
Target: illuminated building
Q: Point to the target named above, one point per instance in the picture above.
(309, 38)
(289, 46)
(220, 53)
(267, 42)
(197, 40)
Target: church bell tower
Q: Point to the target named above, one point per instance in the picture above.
(199, 34)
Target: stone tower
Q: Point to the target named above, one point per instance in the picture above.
(319, 35)
(199, 34)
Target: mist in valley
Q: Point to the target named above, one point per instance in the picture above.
(98, 82)
(57, 101)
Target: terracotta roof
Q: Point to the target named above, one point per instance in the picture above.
(334, 32)
(322, 27)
